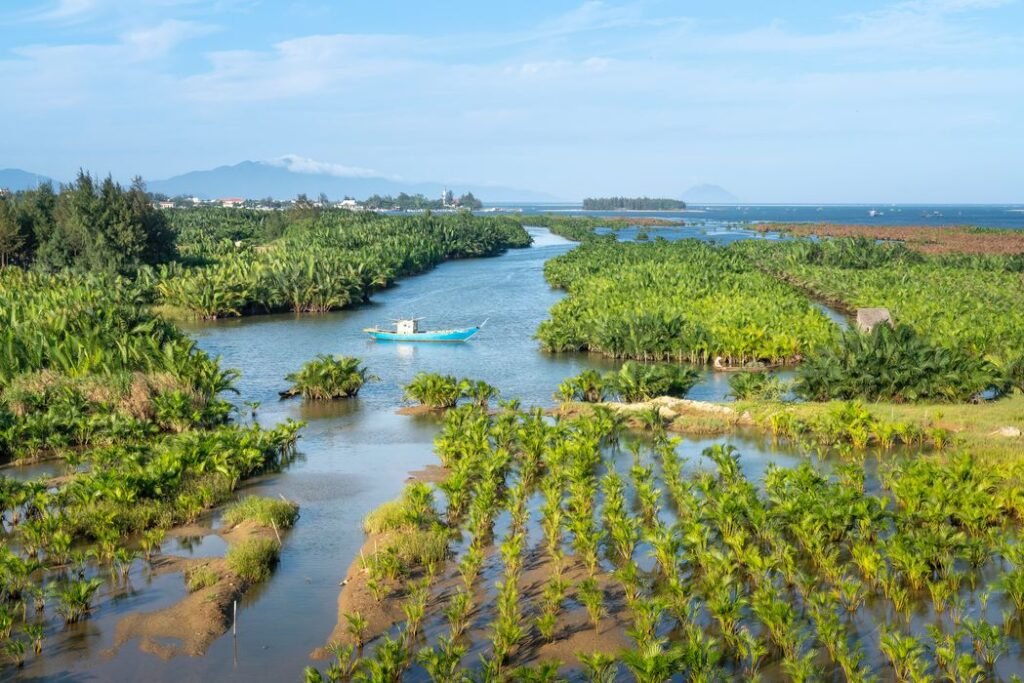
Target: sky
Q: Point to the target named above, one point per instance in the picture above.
(789, 101)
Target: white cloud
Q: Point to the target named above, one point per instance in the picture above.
(156, 41)
(298, 164)
(66, 11)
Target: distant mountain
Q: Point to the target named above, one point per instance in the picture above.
(15, 180)
(285, 179)
(709, 194)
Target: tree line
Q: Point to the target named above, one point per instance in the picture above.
(89, 225)
(414, 202)
(632, 204)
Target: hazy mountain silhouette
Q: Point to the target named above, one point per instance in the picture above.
(258, 179)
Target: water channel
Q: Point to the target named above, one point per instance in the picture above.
(354, 455)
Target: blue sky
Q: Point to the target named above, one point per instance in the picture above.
(913, 100)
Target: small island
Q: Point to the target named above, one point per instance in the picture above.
(632, 204)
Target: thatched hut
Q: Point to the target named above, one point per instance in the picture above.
(870, 318)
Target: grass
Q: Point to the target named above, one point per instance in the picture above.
(388, 517)
(974, 425)
(198, 578)
(254, 559)
(267, 512)
(421, 547)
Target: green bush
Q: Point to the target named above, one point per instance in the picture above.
(434, 390)
(266, 512)
(636, 382)
(328, 377)
(254, 559)
(895, 364)
(198, 578)
(757, 386)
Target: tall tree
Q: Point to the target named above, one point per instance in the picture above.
(12, 241)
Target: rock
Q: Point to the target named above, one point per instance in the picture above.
(1008, 432)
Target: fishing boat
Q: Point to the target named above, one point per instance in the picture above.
(409, 330)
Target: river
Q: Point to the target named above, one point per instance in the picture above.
(353, 455)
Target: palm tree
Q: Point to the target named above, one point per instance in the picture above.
(328, 377)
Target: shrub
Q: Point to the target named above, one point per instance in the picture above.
(895, 364)
(268, 512)
(414, 509)
(756, 386)
(640, 382)
(328, 377)
(254, 559)
(200, 577)
(588, 386)
(434, 390)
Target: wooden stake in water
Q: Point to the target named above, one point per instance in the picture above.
(234, 621)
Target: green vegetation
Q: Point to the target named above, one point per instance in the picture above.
(440, 392)
(756, 385)
(88, 226)
(968, 303)
(633, 382)
(896, 365)
(328, 377)
(325, 261)
(266, 512)
(632, 204)
(411, 538)
(199, 577)
(718, 576)
(683, 301)
(89, 375)
(253, 560)
(417, 202)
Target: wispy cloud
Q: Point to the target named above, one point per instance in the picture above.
(299, 164)
(644, 83)
(65, 11)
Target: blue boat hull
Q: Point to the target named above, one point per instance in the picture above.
(442, 336)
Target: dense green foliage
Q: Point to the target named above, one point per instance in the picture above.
(135, 411)
(445, 391)
(327, 261)
(896, 365)
(633, 382)
(707, 573)
(756, 385)
(88, 225)
(683, 300)
(328, 377)
(82, 363)
(965, 302)
(632, 204)
(197, 227)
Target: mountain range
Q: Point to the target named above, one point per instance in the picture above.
(289, 176)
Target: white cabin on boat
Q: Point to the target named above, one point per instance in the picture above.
(407, 326)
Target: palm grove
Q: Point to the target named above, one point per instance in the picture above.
(91, 375)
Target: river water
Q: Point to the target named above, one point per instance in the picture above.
(354, 455)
